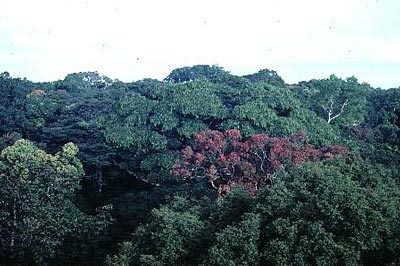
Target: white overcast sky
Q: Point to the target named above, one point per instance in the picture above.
(44, 40)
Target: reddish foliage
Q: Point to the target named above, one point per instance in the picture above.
(227, 161)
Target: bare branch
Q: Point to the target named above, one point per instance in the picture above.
(262, 159)
(330, 110)
(212, 184)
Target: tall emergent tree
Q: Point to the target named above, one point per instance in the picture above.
(226, 161)
(37, 195)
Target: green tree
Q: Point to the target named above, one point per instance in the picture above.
(37, 191)
(268, 76)
(172, 236)
(230, 210)
(198, 72)
(277, 111)
(384, 115)
(337, 101)
(237, 245)
(340, 212)
(13, 92)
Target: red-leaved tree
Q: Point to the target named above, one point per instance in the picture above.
(227, 161)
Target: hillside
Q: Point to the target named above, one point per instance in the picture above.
(97, 171)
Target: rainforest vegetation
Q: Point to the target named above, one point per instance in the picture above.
(201, 168)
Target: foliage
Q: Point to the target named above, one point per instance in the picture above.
(13, 92)
(338, 212)
(342, 102)
(237, 245)
(384, 116)
(268, 76)
(85, 81)
(199, 72)
(226, 161)
(276, 111)
(322, 214)
(171, 237)
(38, 192)
(129, 135)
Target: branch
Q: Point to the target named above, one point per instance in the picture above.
(330, 110)
(14, 226)
(262, 159)
(213, 176)
(341, 111)
(212, 184)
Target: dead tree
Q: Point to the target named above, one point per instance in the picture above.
(329, 110)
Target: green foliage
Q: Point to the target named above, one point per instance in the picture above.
(320, 214)
(158, 165)
(257, 112)
(237, 245)
(342, 212)
(192, 99)
(38, 190)
(276, 111)
(128, 127)
(267, 76)
(199, 72)
(231, 209)
(84, 81)
(140, 123)
(345, 98)
(171, 237)
(136, 138)
(13, 92)
(166, 121)
(384, 115)
(191, 127)
(245, 127)
(159, 161)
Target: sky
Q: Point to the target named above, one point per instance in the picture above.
(44, 40)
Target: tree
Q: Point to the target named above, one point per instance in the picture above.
(198, 72)
(226, 161)
(338, 212)
(339, 102)
(85, 81)
(172, 236)
(262, 108)
(268, 76)
(384, 115)
(13, 92)
(237, 245)
(330, 110)
(37, 191)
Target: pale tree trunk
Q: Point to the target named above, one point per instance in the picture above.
(13, 227)
(329, 110)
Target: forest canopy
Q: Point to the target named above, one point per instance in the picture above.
(201, 168)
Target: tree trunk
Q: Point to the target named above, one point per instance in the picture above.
(13, 228)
